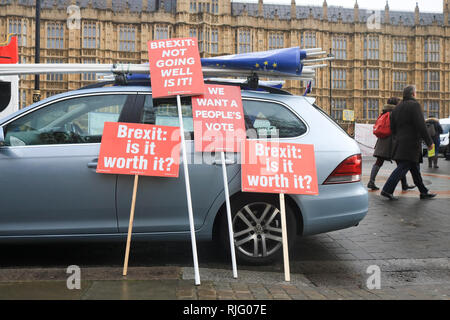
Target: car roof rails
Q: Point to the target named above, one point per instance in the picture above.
(142, 82)
(287, 64)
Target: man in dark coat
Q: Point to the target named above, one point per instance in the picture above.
(383, 151)
(408, 128)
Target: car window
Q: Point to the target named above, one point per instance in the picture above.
(77, 120)
(270, 120)
(164, 112)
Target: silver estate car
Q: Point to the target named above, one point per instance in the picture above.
(49, 188)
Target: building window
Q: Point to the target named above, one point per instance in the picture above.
(244, 43)
(431, 81)
(370, 109)
(308, 40)
(400, 50)
(431, 109)
(203, 7)
(276, 40)
(337, 107)
(371, 79)
(339, 48)
(339, 78)
(193, 33)
(399, 80)
(55, 36)
(193, 6)
(371, 47)
(89, 76)
(215, 6)
(161, 32)
(91, 35)
(19, 28)
(214, 45)
(23, 98)
(431, 50)
(208, 40)
(23, 60)
(54, 76)
(201, 39)
(127, 38)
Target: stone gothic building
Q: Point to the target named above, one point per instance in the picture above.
(377, 52)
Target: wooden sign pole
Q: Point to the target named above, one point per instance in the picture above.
(230, 223)
(130, 225)
(188, 194)
(287, 275)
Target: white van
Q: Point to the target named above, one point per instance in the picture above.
(444, 147)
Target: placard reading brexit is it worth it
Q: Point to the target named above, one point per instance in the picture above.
(278, 167)
(139, 149)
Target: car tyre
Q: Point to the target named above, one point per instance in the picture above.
(256, 222)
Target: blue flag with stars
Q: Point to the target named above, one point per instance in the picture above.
(288, 60)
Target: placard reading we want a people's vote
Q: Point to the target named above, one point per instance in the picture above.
(218, 119)
(139, 149)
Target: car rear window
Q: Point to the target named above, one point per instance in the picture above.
(266, 119)
(263, 119)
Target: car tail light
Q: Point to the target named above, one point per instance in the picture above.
(347, 171)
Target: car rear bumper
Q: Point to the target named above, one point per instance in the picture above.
(336, 207)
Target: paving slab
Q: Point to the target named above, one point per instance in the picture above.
(41, 290)
(131, 290)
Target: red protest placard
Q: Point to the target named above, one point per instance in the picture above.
(9, 52)
(218, 119)
(278, 167)
(139, 149)
(175, 67)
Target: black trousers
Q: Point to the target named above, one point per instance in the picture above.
(402, 168)
(380, 162)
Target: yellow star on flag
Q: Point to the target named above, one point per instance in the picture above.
(274, 65)
(257, 65)
(266, 63)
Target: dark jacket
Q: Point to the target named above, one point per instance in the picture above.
(437, 129)
(408, 129)
(383, 147)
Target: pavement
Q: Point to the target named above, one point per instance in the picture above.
(408, 241)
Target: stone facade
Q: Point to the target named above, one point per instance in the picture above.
(378, 53)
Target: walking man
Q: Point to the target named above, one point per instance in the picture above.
(383, 151)
(408, 128)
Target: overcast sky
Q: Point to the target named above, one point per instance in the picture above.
(395, 5)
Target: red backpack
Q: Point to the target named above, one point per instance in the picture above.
(382, 127)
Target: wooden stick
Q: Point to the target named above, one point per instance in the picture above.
(130, 225)
(287, 275)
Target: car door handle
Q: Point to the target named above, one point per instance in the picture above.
(227, 161)
(93, 164)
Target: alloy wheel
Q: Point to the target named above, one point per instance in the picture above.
(257, 229)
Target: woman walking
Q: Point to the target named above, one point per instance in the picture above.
(383, 151)
(435, 135)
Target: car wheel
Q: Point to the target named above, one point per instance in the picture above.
(256, 222)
